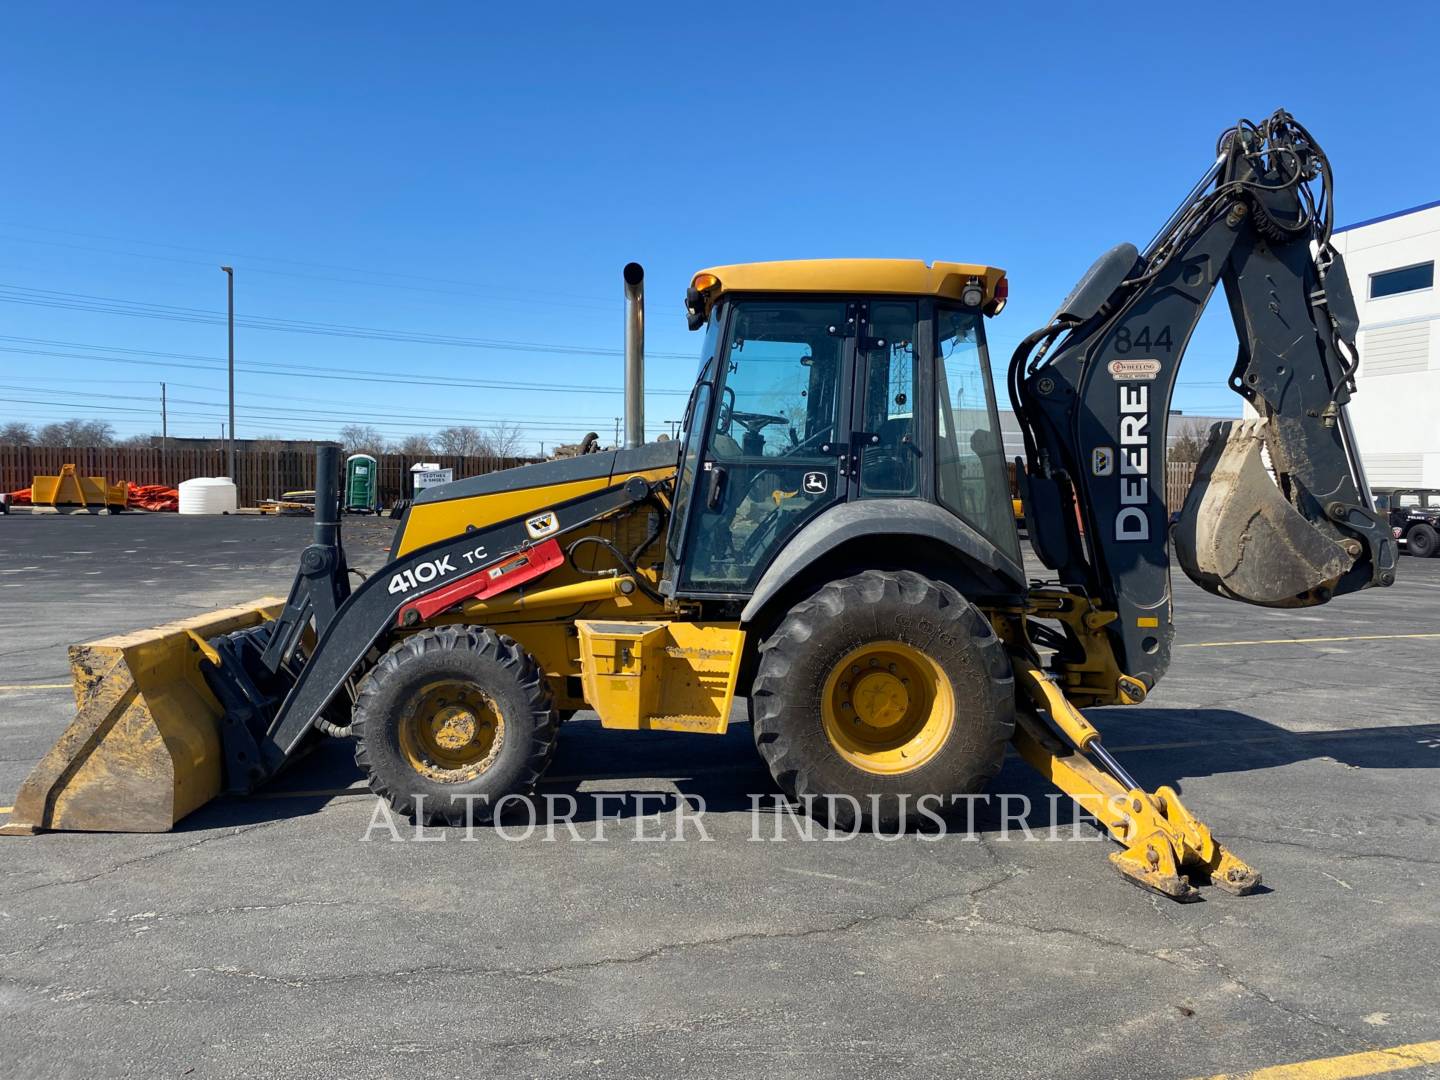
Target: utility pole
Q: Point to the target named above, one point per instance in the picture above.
(164, 425)
(674, 428)
(617, 431)
(230, 324)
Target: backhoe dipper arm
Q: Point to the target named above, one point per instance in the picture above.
(1094, 410)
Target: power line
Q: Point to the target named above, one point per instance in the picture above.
(303, 371)
(110, 305)
(282, 415)
(476, 294)
(212, 253)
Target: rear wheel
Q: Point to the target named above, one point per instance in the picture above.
(881, 689)
(450, 721)
(1422, 541)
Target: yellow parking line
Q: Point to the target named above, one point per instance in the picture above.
(6, 809)
(1370, 1063)
(1302, 640)
(37, 686)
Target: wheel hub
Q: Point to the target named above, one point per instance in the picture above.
(880, 699)
(454, 727)
(452, 732)
(887, 708)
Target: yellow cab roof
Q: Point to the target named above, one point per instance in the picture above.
(907, 277)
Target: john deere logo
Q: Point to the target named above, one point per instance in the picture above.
(816, 483)
(542, 524)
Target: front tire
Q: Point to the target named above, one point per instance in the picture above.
(1423, 541)
(882, 688)
(450, 721)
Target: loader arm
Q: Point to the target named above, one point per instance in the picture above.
(1092, 391)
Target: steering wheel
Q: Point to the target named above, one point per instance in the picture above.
(754, 423)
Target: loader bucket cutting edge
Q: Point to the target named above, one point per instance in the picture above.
(144, 748)
(1240, 537)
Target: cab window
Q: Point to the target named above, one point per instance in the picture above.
(889, 466)
(971, 476)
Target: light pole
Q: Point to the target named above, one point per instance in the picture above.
(230, 324)
(164, 422)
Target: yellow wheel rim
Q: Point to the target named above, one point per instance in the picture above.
(452, 732)
(887, 708)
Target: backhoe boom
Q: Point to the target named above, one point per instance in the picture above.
(1092, 391)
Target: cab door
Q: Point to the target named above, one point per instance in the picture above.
(886, 436)
(773, 451)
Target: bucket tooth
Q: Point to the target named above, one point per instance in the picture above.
(144, 748)
(1241, 538)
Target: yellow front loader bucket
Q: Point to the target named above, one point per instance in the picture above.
(144, 747)
(72, 489)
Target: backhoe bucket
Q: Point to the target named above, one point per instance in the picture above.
(1241, 538)
(144, 748)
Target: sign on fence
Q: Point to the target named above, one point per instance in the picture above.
(427, 476)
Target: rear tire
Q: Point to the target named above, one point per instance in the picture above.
(454, 719)
(884, 687)
(1422, 541)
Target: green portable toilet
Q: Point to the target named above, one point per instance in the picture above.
(362, 484)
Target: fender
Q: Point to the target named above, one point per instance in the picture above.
(903, 520)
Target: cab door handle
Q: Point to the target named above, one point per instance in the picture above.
(717, 487)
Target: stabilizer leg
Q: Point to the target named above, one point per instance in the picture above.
(1164, 844)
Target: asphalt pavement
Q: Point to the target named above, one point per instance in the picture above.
(269, 937)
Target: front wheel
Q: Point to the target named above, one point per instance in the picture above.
(879, 690)
(450, 721)
(1422, 541)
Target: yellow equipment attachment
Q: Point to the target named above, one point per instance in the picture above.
(144, 749)
(660, 676)
(1163, 841)
(71, 489)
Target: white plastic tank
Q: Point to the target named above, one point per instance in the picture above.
(208, 495)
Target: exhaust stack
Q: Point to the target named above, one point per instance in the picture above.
(634, 275)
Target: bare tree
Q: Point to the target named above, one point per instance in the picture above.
(505, 439)
(465, 440)
(269, 443)
(418, 445)
(17, 434)
(1188, 441)
(76, 433)
(140, 442)
(362, 439)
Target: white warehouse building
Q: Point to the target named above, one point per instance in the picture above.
(1390, 261)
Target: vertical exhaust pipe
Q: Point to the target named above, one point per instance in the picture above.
(634, 275)
(327, 495)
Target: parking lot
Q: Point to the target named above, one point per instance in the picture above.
(270, 938)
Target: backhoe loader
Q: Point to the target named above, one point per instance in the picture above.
(831, 539)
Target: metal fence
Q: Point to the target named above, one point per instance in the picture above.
(260, 474)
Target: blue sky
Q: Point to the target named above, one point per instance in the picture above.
(479, 174)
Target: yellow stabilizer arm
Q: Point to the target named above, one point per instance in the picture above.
(1163, 841)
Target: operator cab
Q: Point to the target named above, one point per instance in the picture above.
(828, 381)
